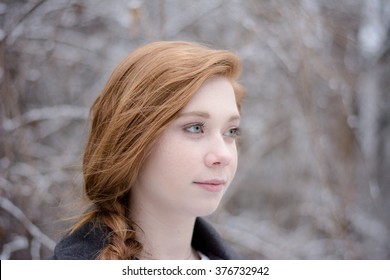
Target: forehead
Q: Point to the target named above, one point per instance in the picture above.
(215, 95)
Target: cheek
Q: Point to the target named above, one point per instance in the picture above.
(179, 156)
(173, 158)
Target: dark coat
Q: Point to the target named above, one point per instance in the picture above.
(88, 241)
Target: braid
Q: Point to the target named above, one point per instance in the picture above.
(122, 242)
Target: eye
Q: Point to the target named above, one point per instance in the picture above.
(195, 128)
(233, 132)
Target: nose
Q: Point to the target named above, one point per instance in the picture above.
(220, 153)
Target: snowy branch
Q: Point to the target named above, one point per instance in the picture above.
(13, 210)
(65, 112)
(18, 243)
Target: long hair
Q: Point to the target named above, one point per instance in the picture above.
(143, 95)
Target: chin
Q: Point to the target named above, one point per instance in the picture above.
(206, 209)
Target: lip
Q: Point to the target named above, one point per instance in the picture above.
(214, 185)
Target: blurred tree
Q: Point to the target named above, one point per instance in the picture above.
(312, 181)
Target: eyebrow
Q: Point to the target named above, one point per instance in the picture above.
(206, 115)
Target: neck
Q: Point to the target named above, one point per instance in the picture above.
(163, 235)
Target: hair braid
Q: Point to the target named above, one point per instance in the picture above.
(122, 240)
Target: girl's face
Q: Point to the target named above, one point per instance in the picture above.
(195, 160)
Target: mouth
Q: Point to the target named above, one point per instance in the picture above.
(214, 185)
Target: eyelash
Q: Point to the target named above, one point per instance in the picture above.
(236, 132)
(201, 125)
(232, 132)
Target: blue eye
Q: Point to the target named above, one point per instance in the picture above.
(195, 128)
(233, 132)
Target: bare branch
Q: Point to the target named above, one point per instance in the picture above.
(12, 209)
(255, 243)
(47, 113)
(24, 16)
(19, 243)
(192, 20)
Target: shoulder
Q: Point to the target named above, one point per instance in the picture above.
(207, 240)
(83, 244)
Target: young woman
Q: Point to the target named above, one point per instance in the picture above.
(160, 155)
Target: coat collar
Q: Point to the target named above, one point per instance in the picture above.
(87, 242)
(207, 240)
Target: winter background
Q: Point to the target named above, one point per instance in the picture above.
(314, 174)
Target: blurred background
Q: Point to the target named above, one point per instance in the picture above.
(314, 175)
